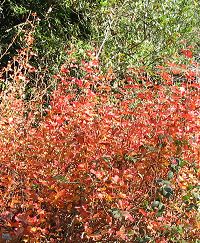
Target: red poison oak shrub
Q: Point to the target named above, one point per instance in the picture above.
(103, 164)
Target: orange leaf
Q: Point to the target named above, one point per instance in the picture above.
(60, 194)
(142, 212)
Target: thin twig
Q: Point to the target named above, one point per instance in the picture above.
(15, 37)
(105, 39)
(107, 32)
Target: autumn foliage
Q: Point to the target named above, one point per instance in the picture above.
(102, 162)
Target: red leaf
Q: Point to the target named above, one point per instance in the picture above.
(144, 213)
(60, 194)
(79, 82)
(64, 69)
(121, 233)
(128, 216)
(187, 53)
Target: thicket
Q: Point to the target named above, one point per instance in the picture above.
(125, 33)
(98, 150)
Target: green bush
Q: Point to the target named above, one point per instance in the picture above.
(145, 32)
(124, 33)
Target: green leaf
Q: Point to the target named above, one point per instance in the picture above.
(104, 3)
(170, 175)
(158, 205)
(161, 207)
(182, 163)
(155, 204)
(175, 167)
(167, 191)
(186, 198)
(116, 213)
(144, 239)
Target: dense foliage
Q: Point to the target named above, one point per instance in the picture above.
(101, 162)
(98, 143)
(125, 33)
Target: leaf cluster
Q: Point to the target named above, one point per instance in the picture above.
(88, 166)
